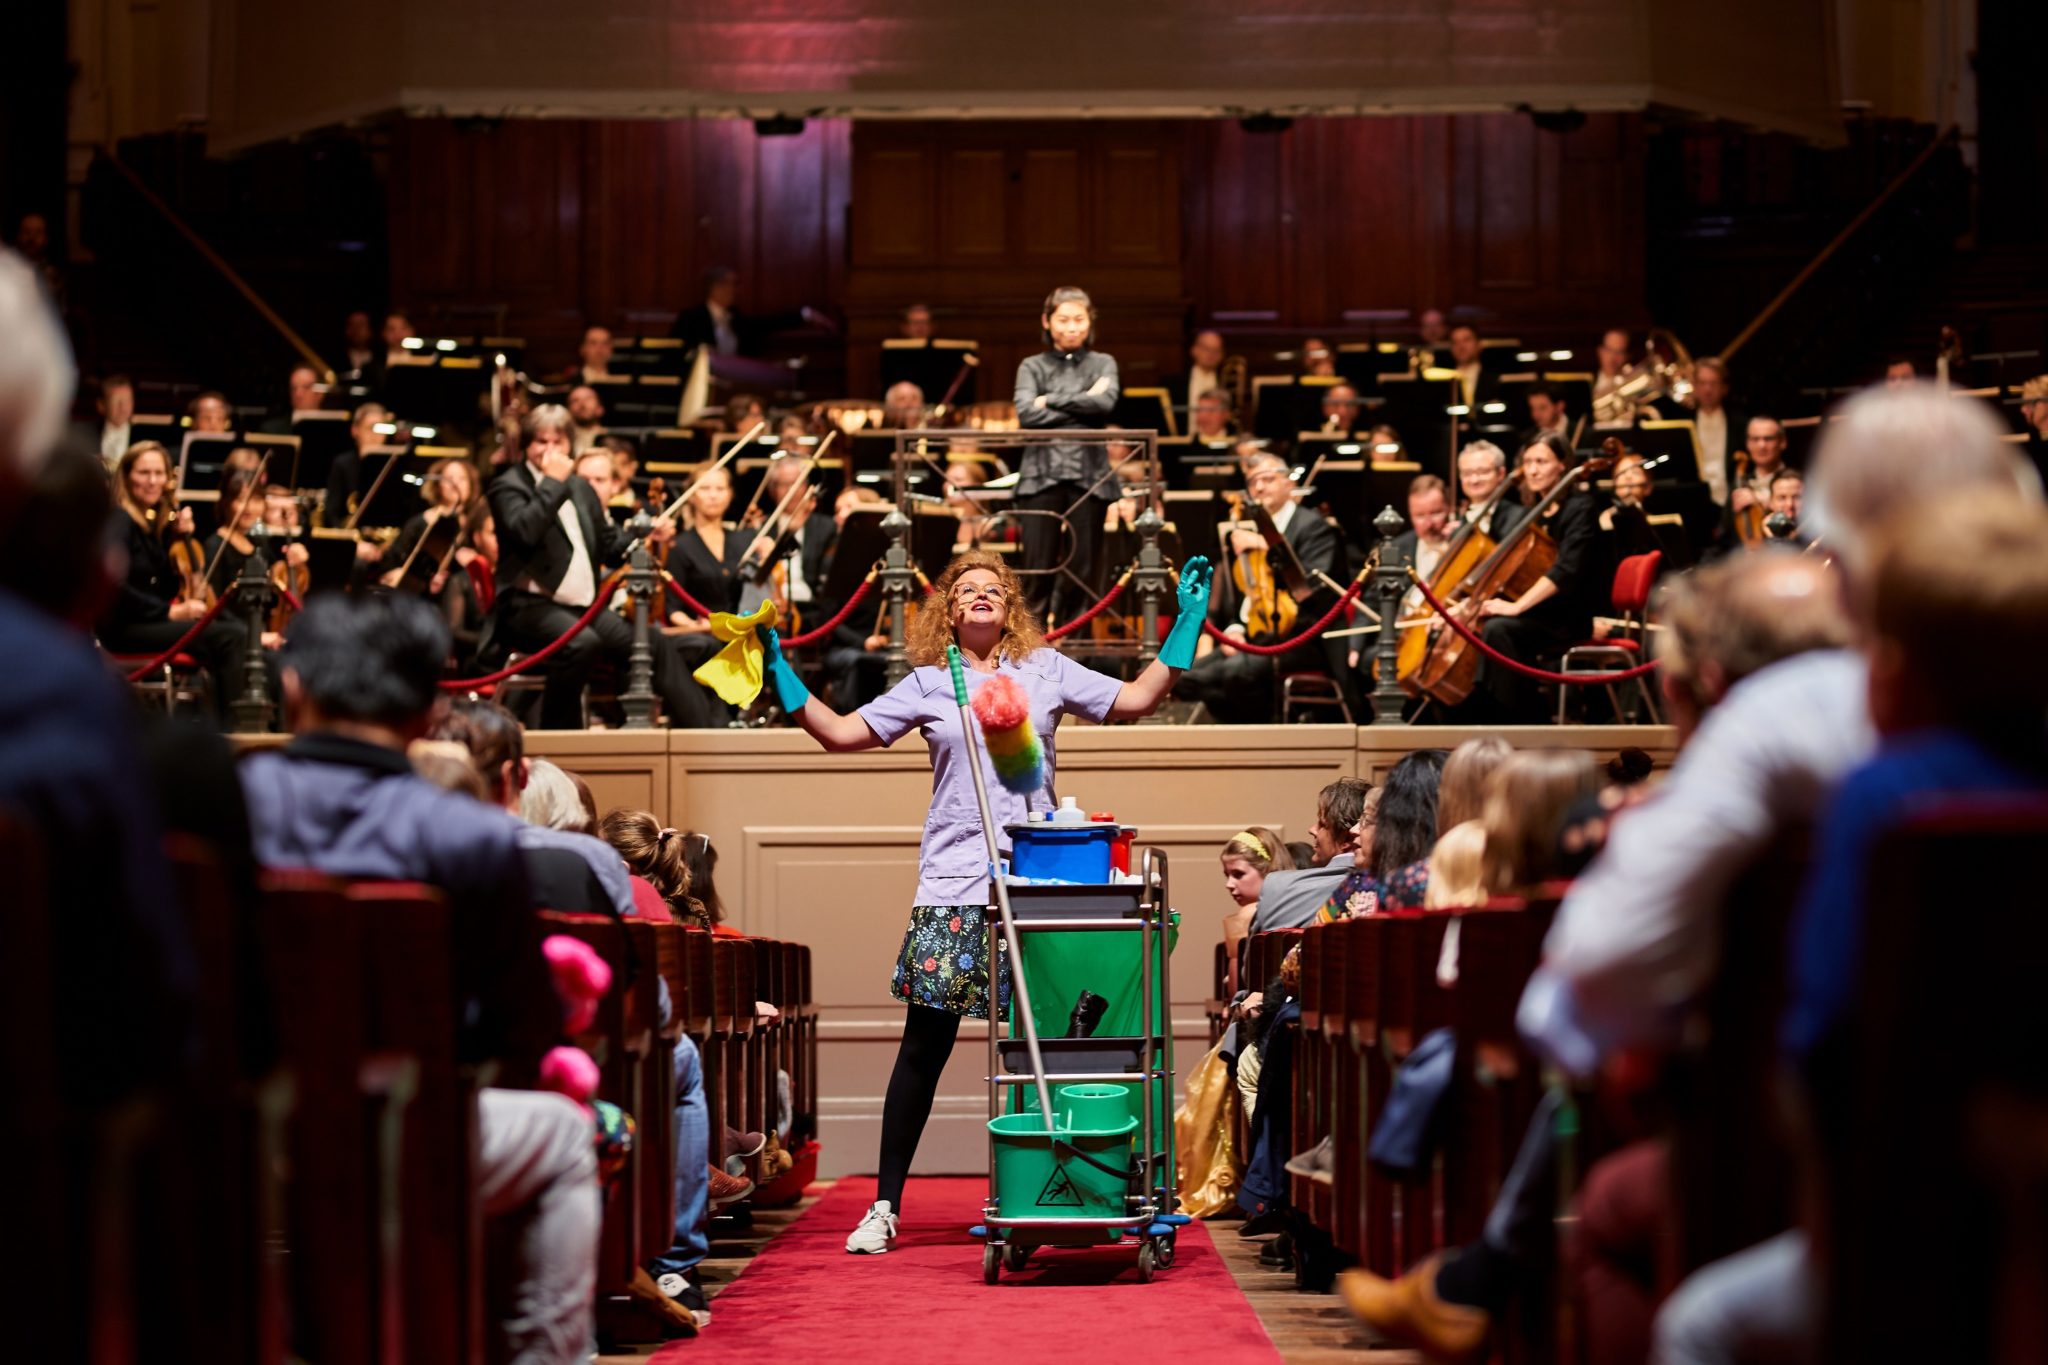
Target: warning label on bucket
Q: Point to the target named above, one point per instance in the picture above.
(1059, 1191)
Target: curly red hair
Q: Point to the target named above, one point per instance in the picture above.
(932, 630)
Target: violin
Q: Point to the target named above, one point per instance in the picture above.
(1270, 580)
(1524, 555)
(188, 557)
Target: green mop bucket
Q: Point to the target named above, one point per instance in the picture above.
(1033, 1180)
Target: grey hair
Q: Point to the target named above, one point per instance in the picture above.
(36, 371)
(551, 800)
(1889, 449)
(1490, 451)
(546, 417)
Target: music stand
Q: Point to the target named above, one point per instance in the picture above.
(1146, 409)
(323, 436)
(330, 559)
(202, 457)
(932, 364)
(1679, 441)
(394, 480)
(438, 388)
(1352, 492)
(283, 457)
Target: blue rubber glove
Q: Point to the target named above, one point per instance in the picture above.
(789, 688)
(1178, 649)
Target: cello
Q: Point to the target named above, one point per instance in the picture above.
(1524, 555)
(1468, 549)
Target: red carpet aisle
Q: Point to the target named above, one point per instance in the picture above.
(805, 1299)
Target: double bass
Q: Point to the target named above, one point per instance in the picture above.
(1522, 556)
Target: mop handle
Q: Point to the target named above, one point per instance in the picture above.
(995, 878)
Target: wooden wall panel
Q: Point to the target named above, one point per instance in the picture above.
(1170, 224)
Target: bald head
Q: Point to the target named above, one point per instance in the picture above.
(1897, 448)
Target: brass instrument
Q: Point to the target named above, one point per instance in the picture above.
(1651, 378)
(1235, 375)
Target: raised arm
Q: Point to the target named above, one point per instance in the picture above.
(836, 734)
(1141, 695)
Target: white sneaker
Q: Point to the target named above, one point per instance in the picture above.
(877, 1228)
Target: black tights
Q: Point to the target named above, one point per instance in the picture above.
(928, 1036)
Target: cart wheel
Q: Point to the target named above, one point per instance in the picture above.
(1165, 1253)
(1147, 1259)
(991, 1265)
(1014, 1257)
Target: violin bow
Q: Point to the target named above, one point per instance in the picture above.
(240, 506)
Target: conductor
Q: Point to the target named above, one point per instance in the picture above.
(1069, 384)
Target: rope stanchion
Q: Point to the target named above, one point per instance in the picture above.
(1540, 674)
(598, 603)
(1067, 628)
(187, 638)
(811, 637)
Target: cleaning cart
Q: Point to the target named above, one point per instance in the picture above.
(1105, 1175)
(1094, 1166)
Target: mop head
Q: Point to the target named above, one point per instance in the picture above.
(1005, 715)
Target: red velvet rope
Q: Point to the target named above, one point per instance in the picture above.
(187, 638)
(598, 603)
(1542, 674)
(703, 612)
(1068, 628)
(1296, 642)
(811, 637)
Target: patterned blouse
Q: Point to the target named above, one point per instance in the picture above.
(1361, 893)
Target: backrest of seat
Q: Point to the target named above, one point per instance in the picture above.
(1633, 578)
(1935, 1178)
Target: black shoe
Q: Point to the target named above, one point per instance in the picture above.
(1278, 1253)
(1267, 1224)
(1088, 1012)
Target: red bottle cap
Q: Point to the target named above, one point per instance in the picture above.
(1102, 817)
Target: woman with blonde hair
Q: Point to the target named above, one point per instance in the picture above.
(942, 970)
(1525, 813)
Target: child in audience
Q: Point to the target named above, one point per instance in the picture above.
(654, 851)
(1468, 777)
(1457, 868)
(702, 857)
(1246, 858)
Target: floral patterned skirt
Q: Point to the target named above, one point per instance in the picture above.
(944, 961)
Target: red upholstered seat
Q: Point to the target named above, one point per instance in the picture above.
(1633, 578)
(131, 662)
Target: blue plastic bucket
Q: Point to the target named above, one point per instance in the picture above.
(1062, 853)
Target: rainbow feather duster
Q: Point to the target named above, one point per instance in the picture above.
(1006, 731)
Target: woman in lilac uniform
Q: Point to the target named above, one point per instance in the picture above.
(942, 973)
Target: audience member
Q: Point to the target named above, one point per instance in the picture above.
(1291, 899)
(1527, 801)
(655, 851)
(360, 683)
(1393, 838)
(1247, 860)
(702, 856)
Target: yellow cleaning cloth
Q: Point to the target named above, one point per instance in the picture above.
(735, 673)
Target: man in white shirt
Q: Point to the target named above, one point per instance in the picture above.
(1482, 468)
(116, 408)
(1211, 421)
(1465, 360)
(1204, 372)
(1720, 431)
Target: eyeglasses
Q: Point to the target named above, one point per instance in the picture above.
(967, 592)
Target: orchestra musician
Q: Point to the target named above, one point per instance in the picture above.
(160, 600)
(1720, 426)
(2034, 409)
(789, 559)
(1475, 385)
(706, 555)
(1341, 410)
(903, 406)
(1067, 385)
(1482, 466)
(1624, 523)
(1317, 359)
(555, 542)
(1547, 415)
(1765, 442)
(586, 417)
(1556, 611)
(210, 413)
(345, 476)
(917, 323)
(1204, 373)
(1211, 419)
(452, 491)
(1612, 358)
(1423, 544)
(245, 497)
(1788, 496)
(1237, 686)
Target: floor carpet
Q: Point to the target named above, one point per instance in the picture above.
(804, 1299)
